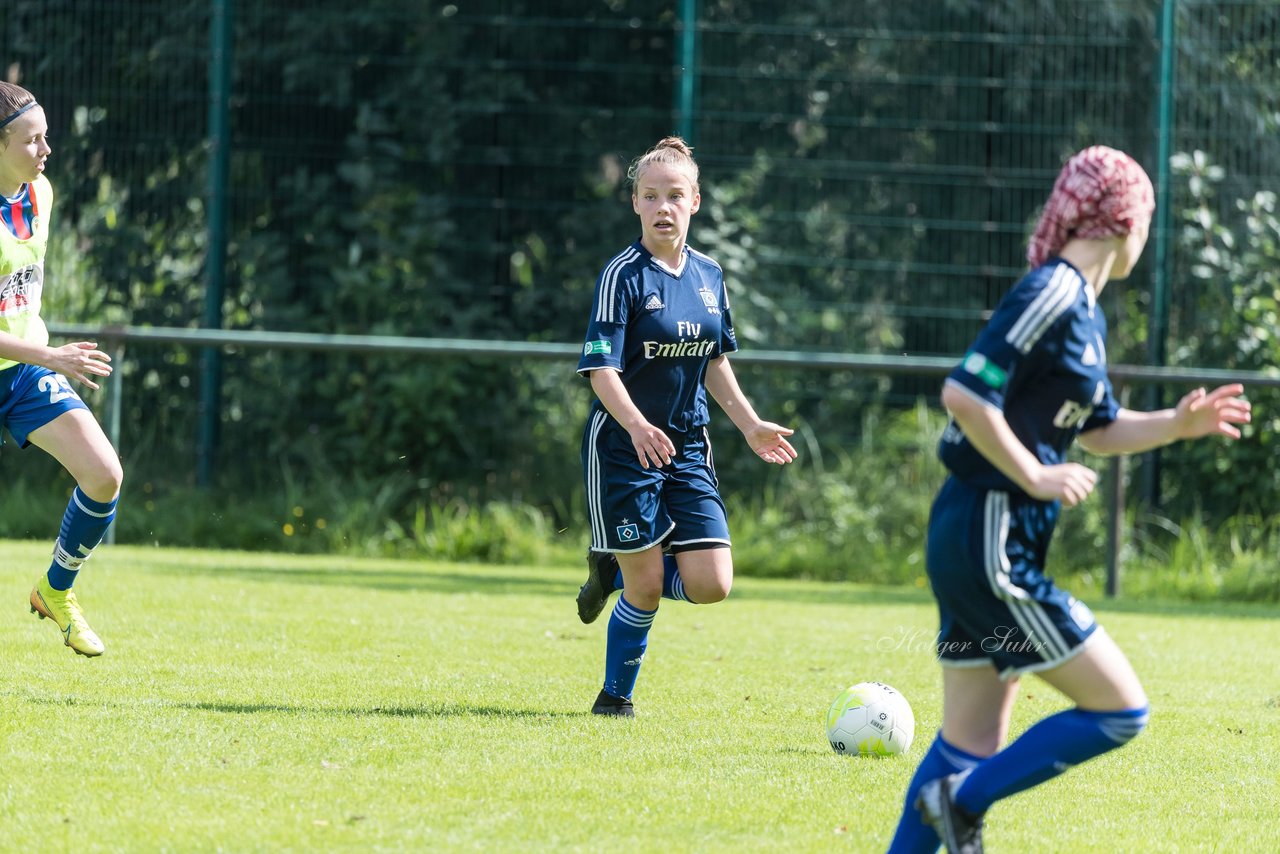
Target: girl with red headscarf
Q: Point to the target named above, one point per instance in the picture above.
(1033, 382)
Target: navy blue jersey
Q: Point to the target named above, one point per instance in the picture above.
(660, 327)
(1042, 359)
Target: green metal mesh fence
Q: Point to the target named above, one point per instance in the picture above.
(456, 169)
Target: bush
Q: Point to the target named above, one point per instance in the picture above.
(859, 515)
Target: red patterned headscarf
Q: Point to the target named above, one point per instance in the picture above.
(1101, 192)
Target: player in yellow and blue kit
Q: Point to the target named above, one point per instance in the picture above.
(658, 341)
(1034, 381)
(37, 403)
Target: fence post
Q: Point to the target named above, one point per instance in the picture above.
(220, 47)
(1115, 509)
(114, 397)
(1158, 325)
(687, 70)
(1115, 523)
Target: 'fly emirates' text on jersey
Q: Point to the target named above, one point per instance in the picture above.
(1042, 359)
(660, 327)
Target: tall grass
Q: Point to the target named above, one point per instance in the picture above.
(854, 514)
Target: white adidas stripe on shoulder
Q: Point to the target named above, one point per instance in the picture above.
(608, 288)
(1058, 295)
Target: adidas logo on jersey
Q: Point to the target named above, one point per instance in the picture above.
(653, 304)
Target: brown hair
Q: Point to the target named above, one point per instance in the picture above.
(670, 151)
(12, 98)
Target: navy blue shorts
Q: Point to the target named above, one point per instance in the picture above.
(633, 508)
(996, 606)
(31, 397)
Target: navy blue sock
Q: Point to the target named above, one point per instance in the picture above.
(1046, 750)
(628, 639)
(913, 836)
(83, 525)
(672, 583)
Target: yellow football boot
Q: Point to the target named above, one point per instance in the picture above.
(61, 607)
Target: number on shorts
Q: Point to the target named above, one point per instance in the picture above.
(56, 386)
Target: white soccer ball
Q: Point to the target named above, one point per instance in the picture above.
(870, 719)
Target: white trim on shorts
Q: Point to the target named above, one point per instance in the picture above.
(965, 663)
(1027, 612)
(1013, 672)
(690, 542)
(656, 542)
(595, 485)
(595, 496)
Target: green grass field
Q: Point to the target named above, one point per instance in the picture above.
(254, 702)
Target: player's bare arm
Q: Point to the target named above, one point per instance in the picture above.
(77, 360)
(767, 439)
(653, 447)
(989, 432)
(1199, 413)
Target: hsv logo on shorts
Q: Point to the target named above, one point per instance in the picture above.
(628, 533)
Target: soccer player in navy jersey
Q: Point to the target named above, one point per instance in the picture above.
(657, 342)
(1034, 381)
(37, 403)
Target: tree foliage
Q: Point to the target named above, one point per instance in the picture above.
(458, 170)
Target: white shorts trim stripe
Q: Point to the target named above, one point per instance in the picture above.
(661, 536)
(1028, 613)
(703, 540)
(595, 486)
(1049, 663)
(711, 458)
(966, 663)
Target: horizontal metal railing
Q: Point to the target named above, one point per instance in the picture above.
(114, 338)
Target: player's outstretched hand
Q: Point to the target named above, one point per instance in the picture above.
(79, 360)
(1069, 483)
(653, 447)
(769, 441)
(1216, 412)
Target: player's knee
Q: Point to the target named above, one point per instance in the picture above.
(643, 593)
(709, 591)
(103, 482)
(709, 596)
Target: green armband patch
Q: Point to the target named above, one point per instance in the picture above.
(990, 374)
(604, 347)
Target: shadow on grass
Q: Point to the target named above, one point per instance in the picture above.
(827, 593)
(855, 593)
(482, 581)
(1179, 608)
(806, 751)
(493, 580)
(427, 710)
